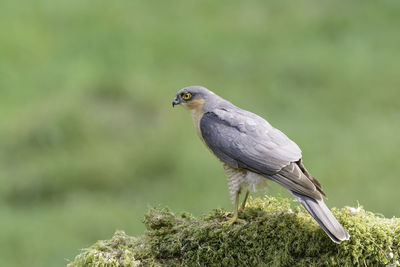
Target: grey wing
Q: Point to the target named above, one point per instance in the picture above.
(242, 139)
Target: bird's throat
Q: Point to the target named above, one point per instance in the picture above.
(195, 108)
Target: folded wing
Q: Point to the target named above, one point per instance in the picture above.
(242, 139)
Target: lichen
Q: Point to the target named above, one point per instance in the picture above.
(272, 234)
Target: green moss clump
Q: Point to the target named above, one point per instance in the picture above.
(272, 235)
(118, 251)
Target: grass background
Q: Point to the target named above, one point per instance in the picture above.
(88, 138)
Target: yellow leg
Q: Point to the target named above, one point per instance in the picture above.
(244, 201)
(235, 217)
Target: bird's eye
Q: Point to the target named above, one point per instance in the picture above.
(187, 96)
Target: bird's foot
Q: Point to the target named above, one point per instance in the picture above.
(233, 220)
(241, 209)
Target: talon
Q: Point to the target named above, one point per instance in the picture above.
(234, 220)
(235, 217)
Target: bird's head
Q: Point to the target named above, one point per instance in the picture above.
(192, 97)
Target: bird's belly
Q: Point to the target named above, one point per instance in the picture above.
(240, 179)
(254, 182)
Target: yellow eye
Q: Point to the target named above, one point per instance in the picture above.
(187, 96)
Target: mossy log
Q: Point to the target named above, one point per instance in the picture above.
(272, 235)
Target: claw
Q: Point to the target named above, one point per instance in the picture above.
(235, 217)
(234, 220)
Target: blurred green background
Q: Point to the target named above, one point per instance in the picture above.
(88, 138)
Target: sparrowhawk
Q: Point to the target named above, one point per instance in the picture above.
(251, 150)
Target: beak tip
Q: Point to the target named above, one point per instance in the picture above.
(175, 102)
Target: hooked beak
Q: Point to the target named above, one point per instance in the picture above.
(176, 102)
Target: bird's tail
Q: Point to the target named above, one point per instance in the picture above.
(324, 217)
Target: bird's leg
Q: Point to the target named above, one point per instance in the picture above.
(244, 201)
(235, 217)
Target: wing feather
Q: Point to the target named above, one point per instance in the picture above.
(247, 139)
(242, 139)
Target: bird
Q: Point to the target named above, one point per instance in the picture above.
(252, 152)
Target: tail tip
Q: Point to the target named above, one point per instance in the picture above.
(339, 240)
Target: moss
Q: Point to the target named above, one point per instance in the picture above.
(272, 235)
